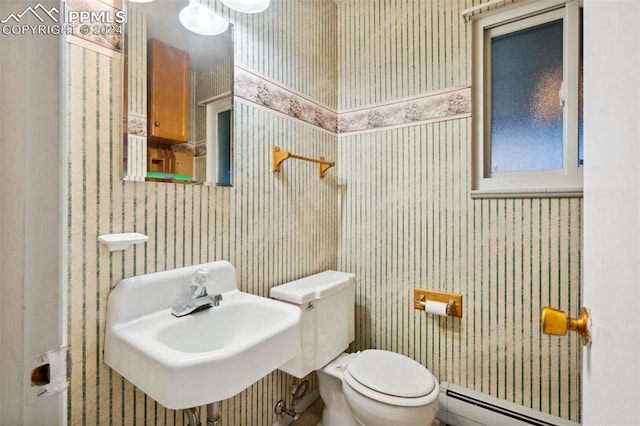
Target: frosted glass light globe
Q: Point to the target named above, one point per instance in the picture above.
(202, 20)
(247, 6)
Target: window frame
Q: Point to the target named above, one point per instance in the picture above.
(536, 183)
(214, 144)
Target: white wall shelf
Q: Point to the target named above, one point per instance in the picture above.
(116, 242)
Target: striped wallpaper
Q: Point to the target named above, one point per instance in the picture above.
(214, 81)
(406, 220)
(395, 211)
(272, 227)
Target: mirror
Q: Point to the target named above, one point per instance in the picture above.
(178, 99)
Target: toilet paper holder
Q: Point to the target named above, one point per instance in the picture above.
(453, 300)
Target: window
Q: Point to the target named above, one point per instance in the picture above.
(219, 142)
(527, 101)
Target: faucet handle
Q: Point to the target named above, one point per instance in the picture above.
(199, 281)
(200, 277)
(198, 291)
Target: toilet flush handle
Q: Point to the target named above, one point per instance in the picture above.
(556, 322)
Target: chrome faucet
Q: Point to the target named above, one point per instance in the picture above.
(199, 299)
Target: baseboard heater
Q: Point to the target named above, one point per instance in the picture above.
(459, 406)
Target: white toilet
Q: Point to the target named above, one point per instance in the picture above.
(372, 387)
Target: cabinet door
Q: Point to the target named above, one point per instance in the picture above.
(168, 92)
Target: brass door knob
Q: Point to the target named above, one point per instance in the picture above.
(556, 322)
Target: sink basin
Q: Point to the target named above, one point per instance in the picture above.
(199, 358)
(248, 317)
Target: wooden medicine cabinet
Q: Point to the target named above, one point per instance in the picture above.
(168, 93)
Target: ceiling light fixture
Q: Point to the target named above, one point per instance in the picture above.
(247, 6)
(201, 20)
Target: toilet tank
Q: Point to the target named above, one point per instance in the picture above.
(327, 323)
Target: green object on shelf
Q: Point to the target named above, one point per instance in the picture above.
(169, 176)
(173, 177)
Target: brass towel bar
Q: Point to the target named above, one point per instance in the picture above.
(278, 156)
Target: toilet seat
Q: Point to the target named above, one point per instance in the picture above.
(390, 378)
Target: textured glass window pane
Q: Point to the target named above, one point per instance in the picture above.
(526, 115)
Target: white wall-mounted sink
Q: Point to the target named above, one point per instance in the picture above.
(199, 358)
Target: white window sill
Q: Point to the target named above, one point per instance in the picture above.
(527, 193)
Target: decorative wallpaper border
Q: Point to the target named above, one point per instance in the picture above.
(104, 30)
(136, 125)
(257, 89)
(427, 108)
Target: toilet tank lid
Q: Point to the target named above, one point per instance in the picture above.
(313, 287)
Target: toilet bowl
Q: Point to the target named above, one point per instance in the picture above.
(384, 388)
(371, 388)
(370, 400)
